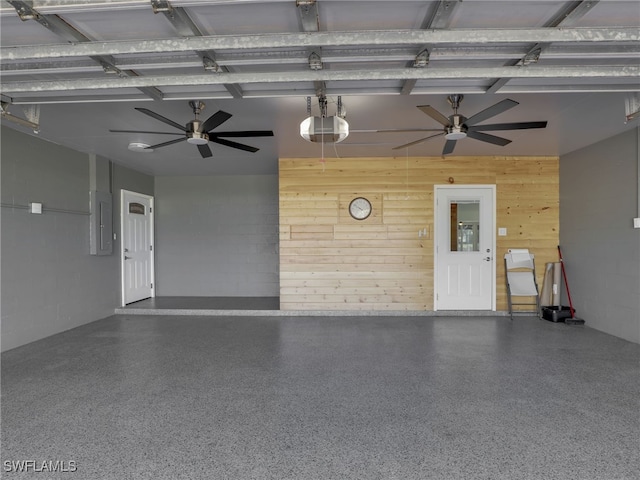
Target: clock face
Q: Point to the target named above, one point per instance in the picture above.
(360, 208)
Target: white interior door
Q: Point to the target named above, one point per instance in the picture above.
(136, 246)
(464, 247)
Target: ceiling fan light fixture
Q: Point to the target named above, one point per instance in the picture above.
(455, 135)
(198, 139)
(332, 129)
(455, 132)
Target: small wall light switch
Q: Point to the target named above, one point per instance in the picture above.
(502, 232)
(636, 223)
(36, 207)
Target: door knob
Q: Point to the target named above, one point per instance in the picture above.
(487, 259)
(127, 258)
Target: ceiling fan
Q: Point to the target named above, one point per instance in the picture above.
(458, 127)
(201, 133)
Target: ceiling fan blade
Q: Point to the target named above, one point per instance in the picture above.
(159, 117)
(229, 143)
(243, 133)
(435, 114)
(170, 142)
(449, 145)
(485, 137)
(205, 151)
(417, 141)
(367, 144)
(507, 126)
(143, 131)
(492, 111)
(215, 120)
(407, 130)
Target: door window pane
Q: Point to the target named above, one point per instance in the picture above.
(464, 226)
(136, 208)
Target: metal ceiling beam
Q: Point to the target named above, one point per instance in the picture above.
(52, 23)
(177, 17)
(439, 19)
(570, 88)
(71, 6)
(566, 17)
(310, 22)
(535, 71)
(308, 15)
(185, 27)
(285, 91)
(92, 6)
(620, 53)
(575, 11)
(57, 25)
(326, 39)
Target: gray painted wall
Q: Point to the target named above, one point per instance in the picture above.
(217, 236)
(598, 200)
(49, 282)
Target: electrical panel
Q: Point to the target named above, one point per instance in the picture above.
(101, 223)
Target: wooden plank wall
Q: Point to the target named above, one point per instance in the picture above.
(329, 261)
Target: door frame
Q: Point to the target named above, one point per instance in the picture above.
(437, 225)
(151, 237)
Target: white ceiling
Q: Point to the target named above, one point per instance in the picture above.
(588, 65)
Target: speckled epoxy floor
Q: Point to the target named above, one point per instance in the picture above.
(306, 398)
(255, 304)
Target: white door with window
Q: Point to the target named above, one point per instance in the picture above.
(136, 246)
(464, 247)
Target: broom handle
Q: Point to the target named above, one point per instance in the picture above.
(566, 283)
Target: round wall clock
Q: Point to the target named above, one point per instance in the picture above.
(360, 208)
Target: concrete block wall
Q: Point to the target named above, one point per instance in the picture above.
(601, 249)
(217, 236)
(49, 281)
